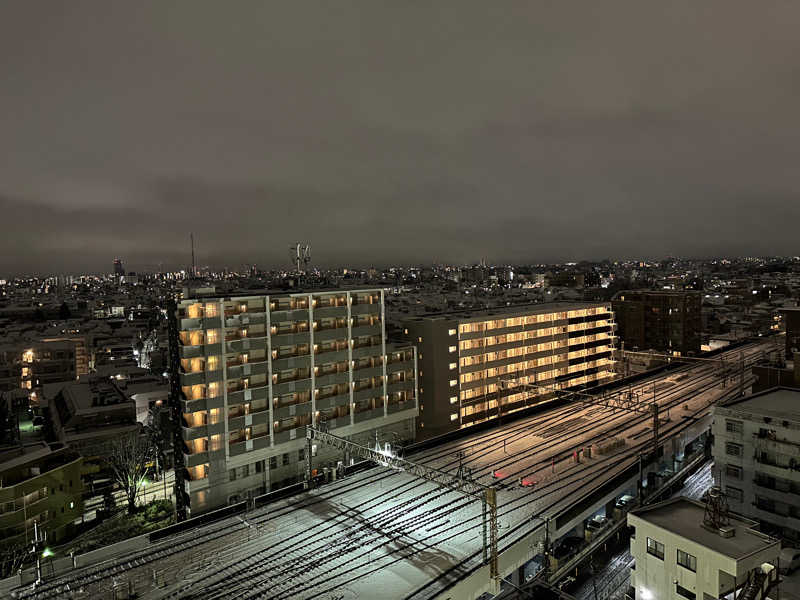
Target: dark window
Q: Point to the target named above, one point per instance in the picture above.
(232, 474)
(285, 459)
(733, 449)
(733, 426)
(734, 493)
(655, 548)
(260, 466)
(687, 560)
(301, 454)
(273, 462)
(684, 592)
(733, 471)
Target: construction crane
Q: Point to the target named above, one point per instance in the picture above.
(300, 255)
(458, 483)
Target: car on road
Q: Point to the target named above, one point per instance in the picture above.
(568, 546)
(596, 523)
(566, 582)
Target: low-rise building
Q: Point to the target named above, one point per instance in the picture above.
(680, 553)
(757, 458)
(39, 484)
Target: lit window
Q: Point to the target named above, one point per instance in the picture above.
(453, 382)
(453, 399)
(419, 339)
(453, 366)
(453, 416)
(452, 349)
(405, 331)
(451, 332)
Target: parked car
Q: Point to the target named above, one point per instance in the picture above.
(567, 546)
(789, 560)
(625, 501)
(566, 582)
(596, 523)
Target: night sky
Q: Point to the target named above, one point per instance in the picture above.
(396, 132)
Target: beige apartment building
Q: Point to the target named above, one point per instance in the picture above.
(256, 370)
(473, 364)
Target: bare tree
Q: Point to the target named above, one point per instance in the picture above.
(129, 458)
(12, 557)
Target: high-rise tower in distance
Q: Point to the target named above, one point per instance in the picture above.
(118, 268)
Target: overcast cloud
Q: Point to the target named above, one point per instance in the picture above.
(396, 132)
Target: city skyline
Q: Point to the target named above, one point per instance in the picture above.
(395, 134)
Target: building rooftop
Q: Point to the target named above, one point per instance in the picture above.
(507, 311)
(684, 517)
(780, 401)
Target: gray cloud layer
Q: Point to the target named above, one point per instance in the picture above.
(396, 132)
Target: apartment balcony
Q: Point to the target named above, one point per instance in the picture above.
(330, 333)
(399, 386)
(396, 407)
(287, 435)
(787, 492)
(291, 410)
(240, 420)
(333, 401)
(365, 350)
(300, 361)
(195, 459)
(191, 351)
(190, 406)
(191, 433)
(331, 379)
(400, 365)
(291, 338)
(243, 395)
(259, 442)
(364, 330)
(244, 319)
(367, 415)
(331, 355)
(326, 312)
(283, 315)
(190, 379)
(367, 372)
(289, 387)
(247, 370)
(368, 393)
(776, 445)
(365, 309)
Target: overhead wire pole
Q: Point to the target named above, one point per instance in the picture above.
(485, 494)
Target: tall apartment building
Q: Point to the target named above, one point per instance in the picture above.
(660, 320)
(757, 458)
(463, 356)
(256, 370)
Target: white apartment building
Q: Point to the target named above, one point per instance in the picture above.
(757, 458)
(678, 557)
(256, 370)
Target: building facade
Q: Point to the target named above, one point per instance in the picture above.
(39, 484)
(757, 458)
(256, 370)
(791, 319)
(472, 364)
(677, 555)
(660, 320)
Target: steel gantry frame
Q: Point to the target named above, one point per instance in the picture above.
(485, 494)
(623, 401)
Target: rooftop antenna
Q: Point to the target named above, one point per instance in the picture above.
(300, 255)
(194, 270)
(716, 513)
